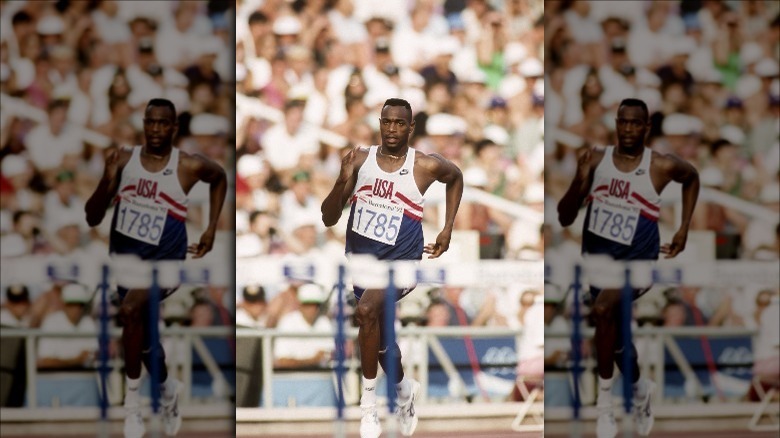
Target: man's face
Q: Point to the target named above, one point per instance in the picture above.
(57, 117)
(395, 126)
(310, 312)
(632, 126)
(74, 312)
(159, 126)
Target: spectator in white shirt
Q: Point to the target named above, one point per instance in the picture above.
(286, 143)
(303, 352)
(15, 312)
(54, 145)
(253, 312)
(74, 318)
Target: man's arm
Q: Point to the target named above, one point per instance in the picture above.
(570, 203)
(449, 174)
(334, 203)
(211, 173)
(684, 173)
(98, 203)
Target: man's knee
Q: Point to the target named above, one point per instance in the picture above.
(131, 311)
(366, 312)
(602, 311)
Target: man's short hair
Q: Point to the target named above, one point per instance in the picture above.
(637, 103)
(395, 101)
(164, 103)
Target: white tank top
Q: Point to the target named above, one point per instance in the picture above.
(624, 206)
(398, 187)
(161, 187)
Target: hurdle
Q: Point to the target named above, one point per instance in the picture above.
(606, 273)
(371, 273)
(132, 272)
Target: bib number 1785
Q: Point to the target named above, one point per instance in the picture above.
(616, 223)
(375, 224)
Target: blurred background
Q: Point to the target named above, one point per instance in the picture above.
(75, 77)
(311, 78)
(708, 71)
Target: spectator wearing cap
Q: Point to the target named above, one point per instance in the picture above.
(287, 30)
(287, 143)
(299, 199)
(301, 234)
(261, 238)
(252, 312)
(63, 200)
(15, 312)
(27, 229)
(439, 68)
(177, 42)
(304, 352)
(756, 242)
(203, 70)
(556, 349)
(762, 138)
(253, 173)
(210, 308)
(73, 318)
(18, 172)
(54, 145)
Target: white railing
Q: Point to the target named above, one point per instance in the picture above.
(192, 337)
(427, 336)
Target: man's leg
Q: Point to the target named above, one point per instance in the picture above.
(642, 387)
(132, 310)
(368, 315)
(605, 311)
(168, 387)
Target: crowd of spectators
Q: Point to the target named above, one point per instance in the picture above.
(312, 77)
(708, 71)
(75, 77)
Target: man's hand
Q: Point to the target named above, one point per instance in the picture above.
(204, 246)
(348, 165)
(677, 245)
(583, 164)
(442, 244)
(112, 165)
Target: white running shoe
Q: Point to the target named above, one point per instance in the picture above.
(369, 422)
(134, 422)
(407, 416)
(606, 427)
(170, 408)
(643, 412)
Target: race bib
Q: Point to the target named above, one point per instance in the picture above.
(141, 219)
(377, 219)
(614, 221)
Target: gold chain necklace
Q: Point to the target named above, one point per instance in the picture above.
(392, 156)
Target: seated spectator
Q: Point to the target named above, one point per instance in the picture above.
(54, 353)
(15, 312)
(766, 345)
(303, 352)
(253, 311)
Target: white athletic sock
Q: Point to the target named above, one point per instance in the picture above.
(604, 399)
(403, 389)
(133, 384)
(133, 395)
(168, 388)
(640, 389)
(369, 392)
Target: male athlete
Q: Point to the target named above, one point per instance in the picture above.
(621, 186)
(149, 185)
(385, 185)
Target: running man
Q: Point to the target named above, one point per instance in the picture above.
(621, 186)
(385, 185)
(149, 186)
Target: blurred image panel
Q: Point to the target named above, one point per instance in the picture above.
(662, 211)
(117, 218)
(312, 79)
